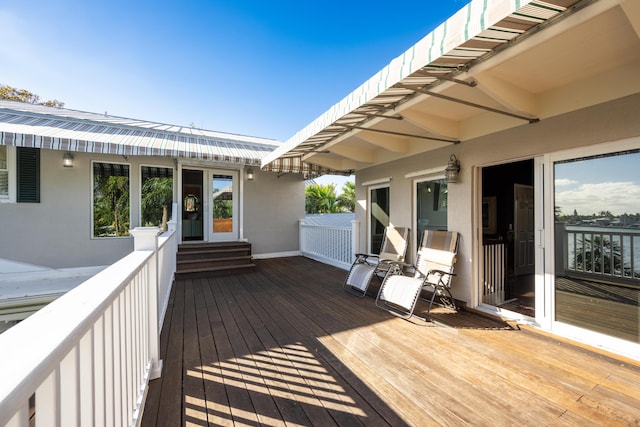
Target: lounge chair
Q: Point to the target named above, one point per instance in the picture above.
(366, 266)
(433, 270)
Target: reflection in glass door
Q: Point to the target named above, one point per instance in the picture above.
(597, 243)
(224, 206)
(379, 216)
(431, 206)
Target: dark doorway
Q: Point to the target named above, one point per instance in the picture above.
(507, 237)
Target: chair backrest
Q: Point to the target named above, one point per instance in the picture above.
(437, 251)
(394, 244)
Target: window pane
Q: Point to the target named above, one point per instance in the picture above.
(157, 196)
(222, 196)
(110, 200)
(597, 234)
(431, 206)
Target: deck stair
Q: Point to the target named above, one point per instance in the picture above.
(204, 259)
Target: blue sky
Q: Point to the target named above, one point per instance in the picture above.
(598, 185)
(256, 68)
(248, 67)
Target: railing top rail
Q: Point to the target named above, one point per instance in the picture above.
(164, 237)
(333, 227)
(30, 348)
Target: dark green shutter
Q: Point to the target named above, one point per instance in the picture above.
(28, 173)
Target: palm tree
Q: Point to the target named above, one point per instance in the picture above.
(347, 200)
(321, 199)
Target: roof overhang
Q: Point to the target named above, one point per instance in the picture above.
(494, 65)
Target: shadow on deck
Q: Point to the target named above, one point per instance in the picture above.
(285, 345)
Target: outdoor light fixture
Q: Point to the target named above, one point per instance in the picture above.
(67, 160)
(452, 170)
(250, 174)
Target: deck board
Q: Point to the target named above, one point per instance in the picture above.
(284, 345)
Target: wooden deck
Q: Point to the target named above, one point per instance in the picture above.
(284, 345)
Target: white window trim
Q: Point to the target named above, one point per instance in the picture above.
(428, 174)
(11, 168)
(386, 180)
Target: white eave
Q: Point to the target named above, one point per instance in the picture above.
(493, 65)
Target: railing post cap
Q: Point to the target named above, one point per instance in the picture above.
(144, 238)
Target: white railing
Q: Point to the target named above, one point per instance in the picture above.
(494, 273)
(86, 358)
(336, 246)
(610, 252)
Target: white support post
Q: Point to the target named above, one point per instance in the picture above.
(146, 239)
(355, 238)
(301, 237)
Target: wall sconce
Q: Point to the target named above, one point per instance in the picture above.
(67, 160)
(250, 174)
(452, 170)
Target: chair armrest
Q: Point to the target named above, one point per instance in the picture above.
(390, 261)
(367, 255)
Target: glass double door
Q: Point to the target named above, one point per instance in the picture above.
(210, 205)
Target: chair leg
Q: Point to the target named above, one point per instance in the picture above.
(438, 290)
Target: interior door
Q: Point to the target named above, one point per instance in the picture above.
(524, 255)
(223, 194)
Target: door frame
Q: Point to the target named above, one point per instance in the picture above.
(206, 169)
(540, 196)
(370, 188)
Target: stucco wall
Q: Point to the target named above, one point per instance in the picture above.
(57, 231)
(272, 208)
(603, 123)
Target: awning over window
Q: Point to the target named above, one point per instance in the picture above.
(36, 126)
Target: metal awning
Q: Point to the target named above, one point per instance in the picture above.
(477, 32)
(37, 126)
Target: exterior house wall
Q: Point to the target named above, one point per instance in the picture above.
(57, 232)
(272, 208)
(602, 123)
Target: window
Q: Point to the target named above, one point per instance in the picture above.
(110, 200)
(156, 196)
(4, 173)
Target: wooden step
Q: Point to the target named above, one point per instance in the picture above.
(186, 264)
(196, 260)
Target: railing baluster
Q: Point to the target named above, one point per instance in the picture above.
(616, 254)
(48, 400)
